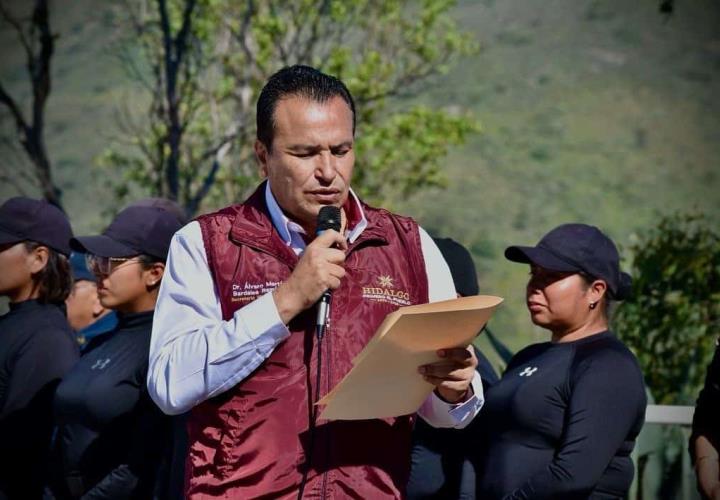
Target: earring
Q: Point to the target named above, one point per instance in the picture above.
(593, 305)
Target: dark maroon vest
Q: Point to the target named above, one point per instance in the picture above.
(254, 439)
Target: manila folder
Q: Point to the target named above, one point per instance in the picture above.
(384, 381)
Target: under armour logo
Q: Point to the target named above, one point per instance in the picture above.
(528, 371)
(100, 364)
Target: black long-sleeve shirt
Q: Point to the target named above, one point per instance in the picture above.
(111, 436)
(706, 421)
(37, 347)
(562, 421)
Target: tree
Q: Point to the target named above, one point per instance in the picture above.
(38, 42)
(203, 63)
(673, 318)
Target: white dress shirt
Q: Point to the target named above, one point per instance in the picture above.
(195, 354)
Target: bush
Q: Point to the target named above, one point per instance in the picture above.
(673, 317)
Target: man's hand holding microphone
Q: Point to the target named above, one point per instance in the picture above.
(320, 267)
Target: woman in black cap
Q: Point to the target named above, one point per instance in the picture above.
(111, 436)
(37, 346)
(563, 419)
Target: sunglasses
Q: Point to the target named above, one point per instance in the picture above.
(103, 266)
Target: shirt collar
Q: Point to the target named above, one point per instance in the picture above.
(291, 232)
(104, 324)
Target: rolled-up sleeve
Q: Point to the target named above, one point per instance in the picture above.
(438, 413)
(194, 353)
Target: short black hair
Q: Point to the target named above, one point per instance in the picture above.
(54, 282)
(298, 80)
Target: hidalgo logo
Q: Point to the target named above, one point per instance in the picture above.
(528, 371)
(385, 292)
(385, 281)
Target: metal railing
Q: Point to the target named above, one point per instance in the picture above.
(650, 446)
(669, 414)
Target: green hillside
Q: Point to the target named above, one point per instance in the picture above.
(602, 112)
(595, 111)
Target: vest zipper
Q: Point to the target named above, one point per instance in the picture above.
(314, 396)
(325, 341)
(323, 490)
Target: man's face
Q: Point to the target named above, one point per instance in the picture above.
(83, 305)
(311, 159)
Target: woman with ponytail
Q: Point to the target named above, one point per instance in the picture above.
(37, 345)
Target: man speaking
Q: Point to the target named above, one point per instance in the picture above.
(235, 340)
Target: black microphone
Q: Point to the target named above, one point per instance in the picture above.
(328, 218)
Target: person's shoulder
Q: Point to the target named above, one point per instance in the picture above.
(528, 352)
(52, 317)
(53, 334)
(46, 330)
(241, 217)
(224, 213)
(532, 349)
(609, 358)
(218, 222)
(607, 347)
(222, 219)
(386, 218)
(97, 341)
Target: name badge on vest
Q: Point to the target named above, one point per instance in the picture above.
(249, 291)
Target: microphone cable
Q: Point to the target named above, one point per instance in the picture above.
(329, 217)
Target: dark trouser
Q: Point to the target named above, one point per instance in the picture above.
(443, 460)
(440, 466)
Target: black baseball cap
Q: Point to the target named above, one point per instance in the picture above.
(26, 219)
(577, 248)
(164, 203)
(134, 231)
(462, 267)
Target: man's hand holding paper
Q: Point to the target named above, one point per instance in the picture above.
(453, 374)
(385, 379)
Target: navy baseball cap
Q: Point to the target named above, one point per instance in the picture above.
(134, 231)
(577, 248)
(168, 205)
(25, 219)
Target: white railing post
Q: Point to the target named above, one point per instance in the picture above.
(669, 414)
